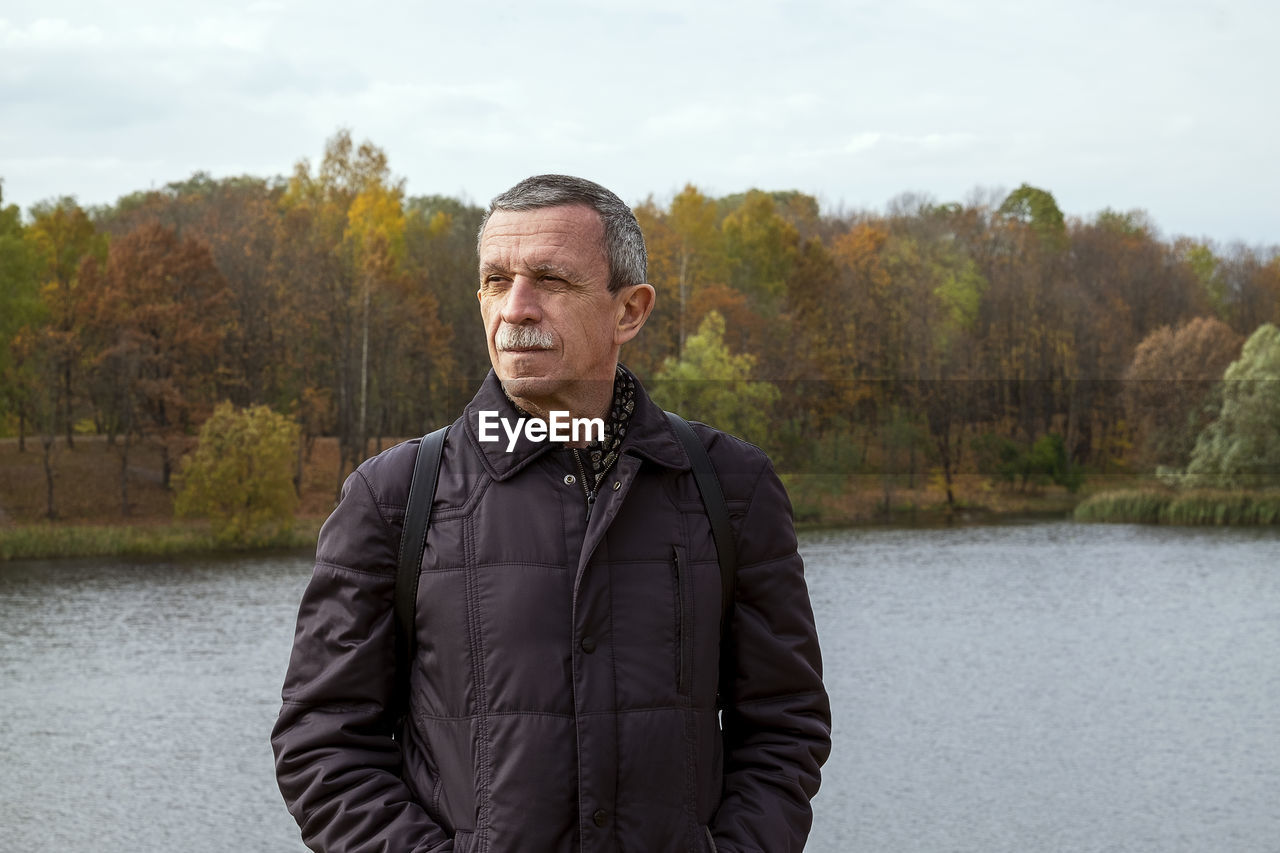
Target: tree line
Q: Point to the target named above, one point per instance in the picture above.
(993, 334)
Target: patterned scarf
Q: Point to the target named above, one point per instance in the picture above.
(599, 456)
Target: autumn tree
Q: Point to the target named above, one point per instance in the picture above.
(410, 359)
(440, 244)
(943, 292)
(342, 254)
(63, 236)
(1020, 248)
(1170, 383)
(700, 256)
(320, 263)
(375, 237)
(661, 339)
(852, 317)
(237, 218)
(158, 314)
(686, 258)
(1251, 282)
(826, 312)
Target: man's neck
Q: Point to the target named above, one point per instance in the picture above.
(589, 399)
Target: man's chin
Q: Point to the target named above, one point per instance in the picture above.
(531, 389)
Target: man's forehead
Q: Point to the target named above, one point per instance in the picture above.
(568, 225)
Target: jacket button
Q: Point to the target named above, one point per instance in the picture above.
(617, 484)
(601, 817)
(588, 644)
(569, 479)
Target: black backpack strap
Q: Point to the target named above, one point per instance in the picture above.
(413, 540)
(704, 474)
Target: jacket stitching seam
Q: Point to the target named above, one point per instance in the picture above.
(778, 698)
(561, 715)
(481, 691)
(455, 718)
(338, 567)
(782, 559)
(377, 505)
(497, 564)
(755, 490)
(684, 700)
(444, 514)
(617, 730)
(331, 707)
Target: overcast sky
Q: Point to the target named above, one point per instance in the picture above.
(1166, 106)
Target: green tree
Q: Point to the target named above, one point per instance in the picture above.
(36, 372)
(240, 475)
(63, 236)
(1241, 449)
(1208, 271)
(19, 306)
(1040, 463)
(761, 247)
(711, 384)
(1038, 209)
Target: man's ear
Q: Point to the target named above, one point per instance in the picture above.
(634, 307)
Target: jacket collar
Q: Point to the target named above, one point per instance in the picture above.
(649, 434)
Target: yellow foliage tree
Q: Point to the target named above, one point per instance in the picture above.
(240, 475)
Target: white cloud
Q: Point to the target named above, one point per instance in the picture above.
(47, 34)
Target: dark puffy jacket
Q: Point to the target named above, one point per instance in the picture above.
(563, 695)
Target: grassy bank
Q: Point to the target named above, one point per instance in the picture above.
(1165, 506)
(88, 498)
(88, 494)
(821, 500)
(44, 541)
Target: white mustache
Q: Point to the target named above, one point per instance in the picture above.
(523, 337)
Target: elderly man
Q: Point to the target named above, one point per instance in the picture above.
(572, 688)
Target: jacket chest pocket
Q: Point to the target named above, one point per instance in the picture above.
(682, 592)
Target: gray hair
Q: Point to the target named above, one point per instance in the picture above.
(623, 242)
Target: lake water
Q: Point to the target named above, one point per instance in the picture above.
(1020, 688)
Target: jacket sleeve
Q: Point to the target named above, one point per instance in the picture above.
(777, 718)
(336, 762)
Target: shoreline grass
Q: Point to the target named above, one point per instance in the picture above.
(835, 501)
(1200, 507)
(818, 506)
(55, 541)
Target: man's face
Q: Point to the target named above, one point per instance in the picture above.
(552, 324)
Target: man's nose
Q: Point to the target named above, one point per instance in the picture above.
(521, 304)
